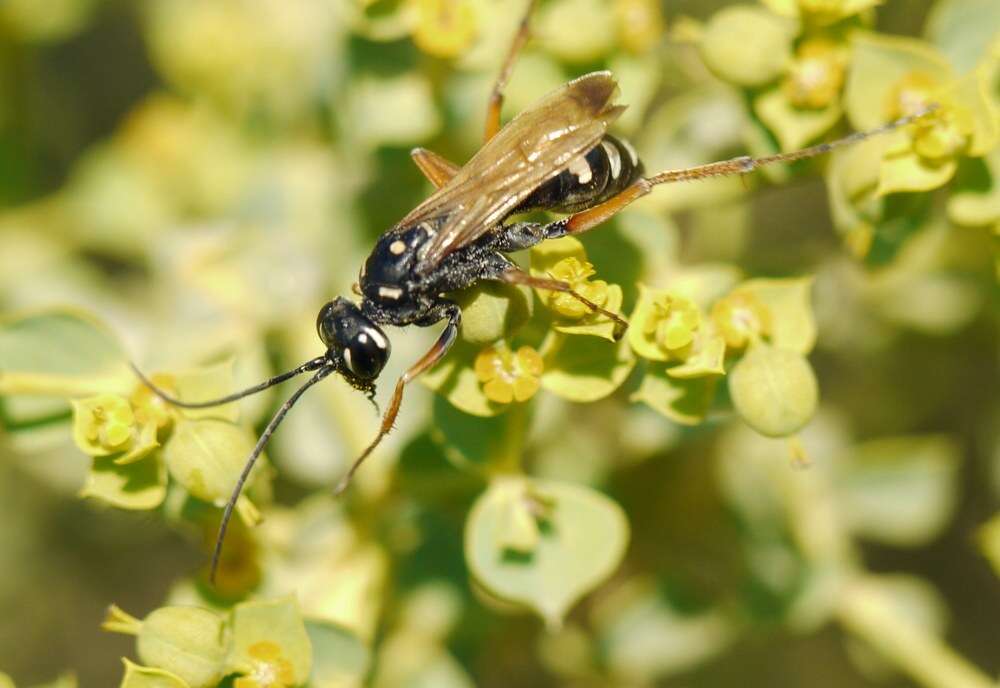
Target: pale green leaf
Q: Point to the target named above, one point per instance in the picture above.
(900, 490)
(747, 45)
(788, 300)
(204, 384)
(339, 656)
(906, 171)
(60, 352)
(138, 486)
(260, 628)
(963, 30)
(396, 110)
(187, 642)
(564, 564)
(707, 359)
(978, 207)
(878, 63)
(492, 311)
(684, 401)
(794, 127)
(587, 368)
(774, 390)
(148, 677)
(206, 456)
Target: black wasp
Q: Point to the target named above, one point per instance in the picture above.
(556, 156)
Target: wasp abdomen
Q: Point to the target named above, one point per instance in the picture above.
(606, 170)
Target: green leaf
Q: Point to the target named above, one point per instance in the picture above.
(878, 63)
(707, 359)
(587, 369)
(989, 542)
(645, 635)
(684, 401)
(6, 681)
(906, 171)
(270, 629)
(395, 110)
(147, 677)
(963, 30)
(900, 490)
(475, 442)
(978, 206)
(747, 45)
(492, 311)
(794, 127)
(60, 352)
(206, 456)
(204, 384)
(774, 390)
(454, 378)
(788, 300)
(564, 564)
(136, 486)
(188, 642)
(339, 656)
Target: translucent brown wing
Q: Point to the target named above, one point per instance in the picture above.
(536, 145)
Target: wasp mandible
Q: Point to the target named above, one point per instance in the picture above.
(556, 156)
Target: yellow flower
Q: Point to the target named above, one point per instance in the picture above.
(148, 407)
(741, 318)
(103, 424)
(939, 135)
(672, 323)
(508, 376)
(816, 75)
(445, 28)
(270, 668)
(576, 273)
(911, 94)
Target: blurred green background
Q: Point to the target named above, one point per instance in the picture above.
(202, 175)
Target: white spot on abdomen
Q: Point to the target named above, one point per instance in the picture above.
(581, 169)
(614, 159)
(390, 292)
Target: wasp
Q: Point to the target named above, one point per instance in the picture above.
(557, 156)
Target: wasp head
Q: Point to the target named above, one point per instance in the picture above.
(352, 338)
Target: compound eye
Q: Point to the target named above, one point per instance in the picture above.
(367, 353)
(325, 326)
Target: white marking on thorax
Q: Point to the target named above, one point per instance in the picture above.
(376, 337)
(347, 358)
(363, 338)
(397, 247)
(581, 168)
(390, 292)
(426, 226)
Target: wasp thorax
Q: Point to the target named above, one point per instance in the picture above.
(352, 337)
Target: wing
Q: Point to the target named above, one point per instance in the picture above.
(536, 145)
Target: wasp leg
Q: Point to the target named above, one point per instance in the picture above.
(515, 275)
(496, 95)
(437, 169)
(590, 218)
(447, 310)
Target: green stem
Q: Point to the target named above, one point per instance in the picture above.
(511, 453)
(868, 612)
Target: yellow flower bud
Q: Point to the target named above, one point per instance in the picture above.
(576, 273)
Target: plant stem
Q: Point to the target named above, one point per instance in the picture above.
(868, 612)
